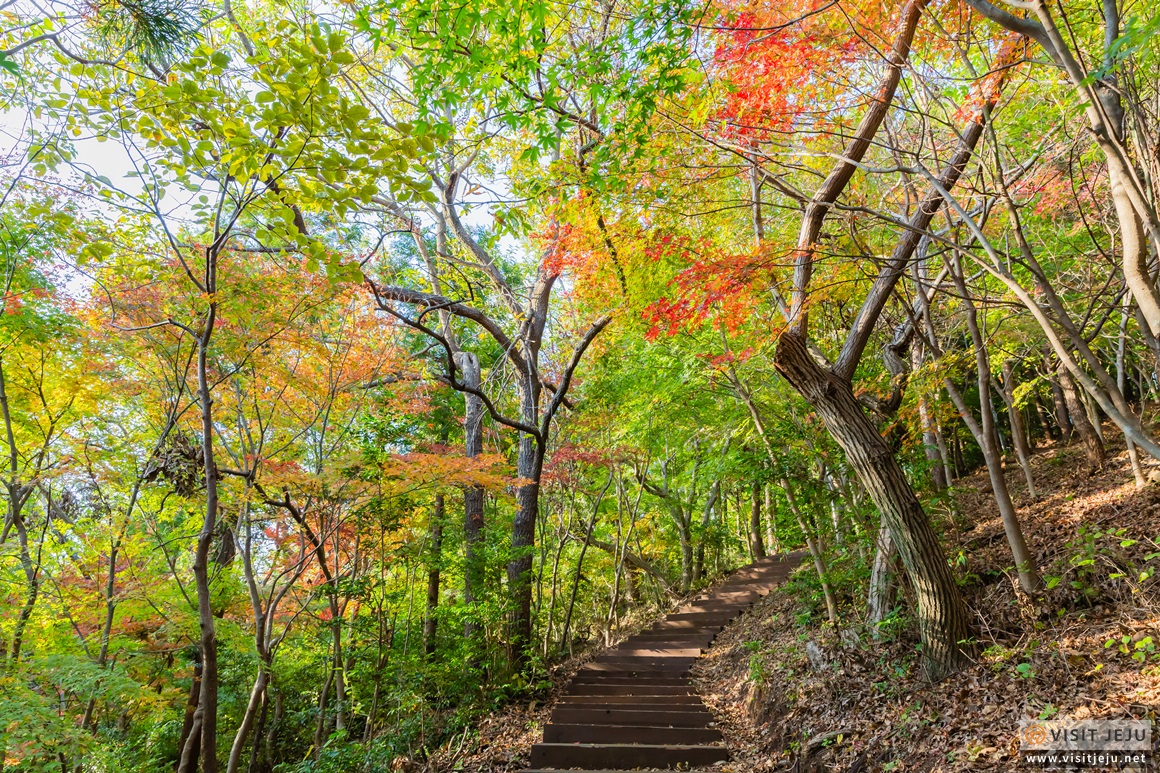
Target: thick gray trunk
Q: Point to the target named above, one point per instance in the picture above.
(473, 496)
(529, 462)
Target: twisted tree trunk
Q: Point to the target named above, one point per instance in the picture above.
(942, 616)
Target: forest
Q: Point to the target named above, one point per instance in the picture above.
(366, 365)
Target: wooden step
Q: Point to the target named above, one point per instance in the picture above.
(669, 640)
(661, 631)
(687, 625)
(586, 688)
(665, 637)
(633, 707)
(624, 756)
(732, 597)
(616, 734)
(758, 586)
(597, 678)
(703, 618)
(637, 673)
(612, 656)
(671, 699)
(618, 701)
(659, 652)
(650, 717)
(712, 606)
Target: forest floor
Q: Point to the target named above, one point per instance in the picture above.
(792, 695)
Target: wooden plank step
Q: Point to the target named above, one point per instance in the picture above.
(635, 703)
(620, 701)
(656, 642)
(641, 669)
(683, 701)
(613, 669)
(662, 631)
(617, 734)
(670, 635)
(632, 702)
(735, 597)
(682, 625)
(680, 651)
(614, 656)
(757, 586)
(624, 756)
(704, 618)
(651, 717)
(646, 663)
(712, 606)
(586, 688)
(596, 678)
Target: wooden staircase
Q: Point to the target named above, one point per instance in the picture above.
(634, 705)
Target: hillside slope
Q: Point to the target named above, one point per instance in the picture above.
(795, 696)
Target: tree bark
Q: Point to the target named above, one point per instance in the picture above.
(1019, 433)
(1062, 416)
(1121, 379)
(755, 542)
(706, 519)
(256, 702)
(529, 463)
(473, 496)
(188, 725)
(942, 616)
(435, 559)
(1093, 446)
(880, 597)
(207, 707)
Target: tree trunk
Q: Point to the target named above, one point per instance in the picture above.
(1018, 429)
(320, 725)
(942, 616)
(686, 539)
(339, 671)
(880, 598)
(1062, 416)
(435, 558)
(755, 542)
(706, 519)
(188, 725)
(988, 441)
(986, 435)
(1121, 379)
(1092, 445)
(564, 641)
(473, 496)
(771, 522)
(1050, 428)
(929, 441)
(529, 463)
(207, 708)
(257, 700)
